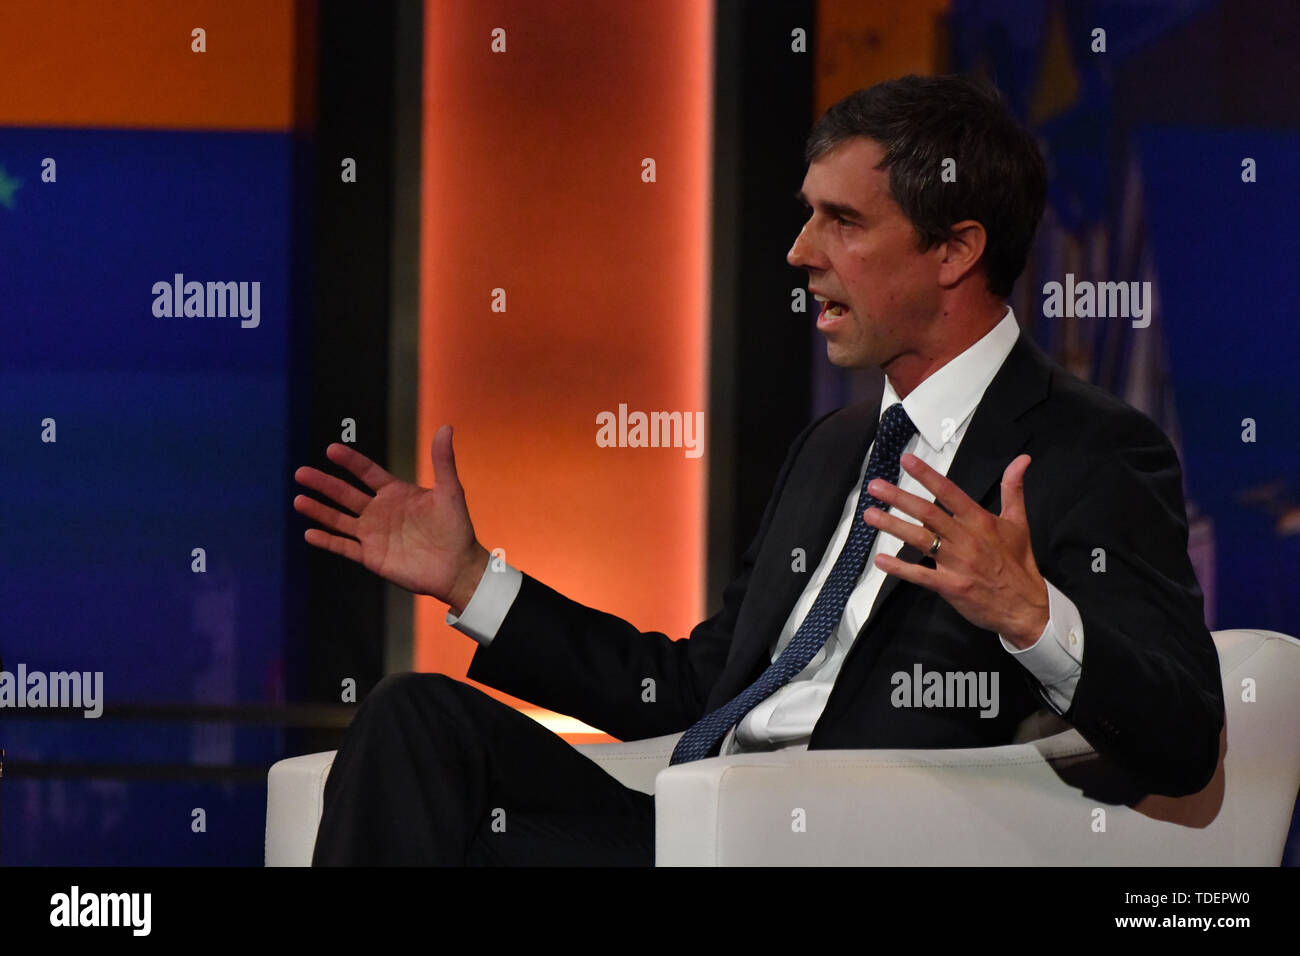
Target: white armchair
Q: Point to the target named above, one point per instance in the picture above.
(1038, 802)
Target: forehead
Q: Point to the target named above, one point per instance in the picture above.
(848, 174)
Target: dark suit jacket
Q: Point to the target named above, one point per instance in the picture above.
(1103, 476)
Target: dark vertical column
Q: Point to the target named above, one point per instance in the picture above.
(760, 369)
(404, 324)
(342, 354)
(302, 299)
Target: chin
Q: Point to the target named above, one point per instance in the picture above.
(842, 359)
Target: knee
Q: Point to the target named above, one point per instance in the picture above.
(400, 691)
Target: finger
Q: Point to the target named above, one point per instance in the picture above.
(336, 489)
(926, 512)
(1013, 490)
(323, 514)
(905, 531)
(945, 492)
(444, 459)
(347, 457)
(930, 578)
(334, 544)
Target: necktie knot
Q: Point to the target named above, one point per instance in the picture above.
(896, 427)
(893, 434)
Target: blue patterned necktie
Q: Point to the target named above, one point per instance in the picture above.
(703, 738)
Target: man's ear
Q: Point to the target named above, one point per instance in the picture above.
(961, 253)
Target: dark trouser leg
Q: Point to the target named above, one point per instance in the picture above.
(433, 771)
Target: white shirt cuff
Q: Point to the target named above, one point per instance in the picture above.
(496, 592)
(1056, 658)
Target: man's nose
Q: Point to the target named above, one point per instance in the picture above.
(802, 254)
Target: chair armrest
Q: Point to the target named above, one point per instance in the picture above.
(295, 799)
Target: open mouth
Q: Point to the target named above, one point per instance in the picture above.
(830, 308)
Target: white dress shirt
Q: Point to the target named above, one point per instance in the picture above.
(941, 408)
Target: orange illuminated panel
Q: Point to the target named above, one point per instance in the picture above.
(129, 63)
(532, 184)
(859, 44)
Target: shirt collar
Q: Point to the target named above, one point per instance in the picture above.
(940, 405)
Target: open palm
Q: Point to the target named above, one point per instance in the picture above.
(419, 538)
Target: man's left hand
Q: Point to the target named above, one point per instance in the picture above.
(985, 566)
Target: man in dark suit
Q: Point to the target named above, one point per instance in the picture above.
(1029, 554)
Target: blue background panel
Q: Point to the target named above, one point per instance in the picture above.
(172, 435)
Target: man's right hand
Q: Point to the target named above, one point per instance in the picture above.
(418, 538)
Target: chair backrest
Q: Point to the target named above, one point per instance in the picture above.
(1243, 815)
(1245, 812)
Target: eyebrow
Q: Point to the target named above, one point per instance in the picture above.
(833, 208)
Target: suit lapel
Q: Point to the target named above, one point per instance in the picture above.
(815, 509)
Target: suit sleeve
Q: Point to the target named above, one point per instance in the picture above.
(582, 662)
(1150, 695)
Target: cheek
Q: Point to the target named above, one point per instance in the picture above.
(880, 266)
(883, 285)
(904, 274)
